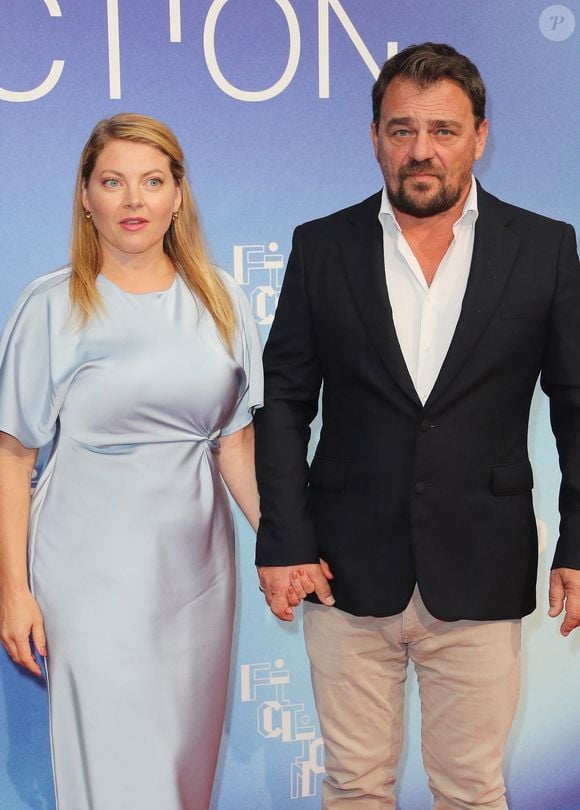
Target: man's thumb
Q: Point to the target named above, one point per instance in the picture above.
(323, 591)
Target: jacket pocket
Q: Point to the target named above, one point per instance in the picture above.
(328, 473)
(515, 478)
(523, 309)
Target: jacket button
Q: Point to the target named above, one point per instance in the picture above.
(425, 426)
(420, 487)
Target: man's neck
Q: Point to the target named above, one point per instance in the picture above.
(429, 237)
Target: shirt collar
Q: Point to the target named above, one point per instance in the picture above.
(468, 216)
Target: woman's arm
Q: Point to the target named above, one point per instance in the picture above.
(20, 616)
(237, 470)
(236, 462)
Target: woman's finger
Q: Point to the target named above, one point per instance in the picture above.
(298, 585)
(292, 596)
(25, 657)
(306, 582)
(38, 637)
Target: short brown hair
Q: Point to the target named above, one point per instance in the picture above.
(427, 64)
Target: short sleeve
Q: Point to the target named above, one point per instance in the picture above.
(248, 353)
(27, 397)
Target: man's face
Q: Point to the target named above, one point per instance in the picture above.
(426, 143)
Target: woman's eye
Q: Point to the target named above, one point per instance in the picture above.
(154, 182)
(111, 183)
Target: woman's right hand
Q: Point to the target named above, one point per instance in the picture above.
(21, 621)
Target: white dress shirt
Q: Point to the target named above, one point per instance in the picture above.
(426, 317)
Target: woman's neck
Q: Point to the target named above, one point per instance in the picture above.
(140, 273)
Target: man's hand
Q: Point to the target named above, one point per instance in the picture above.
(565, 589)
(285, 585)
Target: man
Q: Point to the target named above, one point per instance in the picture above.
(428, 311)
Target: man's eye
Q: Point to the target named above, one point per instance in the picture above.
(444, 132)
(401, 133)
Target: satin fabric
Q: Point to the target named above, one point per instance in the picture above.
(131, 534)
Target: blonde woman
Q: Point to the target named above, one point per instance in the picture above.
(140, 363)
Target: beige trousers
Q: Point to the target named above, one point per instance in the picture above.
(468, 674)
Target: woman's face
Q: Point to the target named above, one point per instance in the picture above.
(131, 195)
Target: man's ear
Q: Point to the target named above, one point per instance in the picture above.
(480, 138)
(375, 138)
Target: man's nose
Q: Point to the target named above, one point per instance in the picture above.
(422, 147)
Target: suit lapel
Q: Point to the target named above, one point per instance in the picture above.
(494, 251)
(362, 248)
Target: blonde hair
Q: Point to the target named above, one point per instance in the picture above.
(183, 242)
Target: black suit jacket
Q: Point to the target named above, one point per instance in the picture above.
(398, 492)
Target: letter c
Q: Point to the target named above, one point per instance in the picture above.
(219, 78)
(52, 78)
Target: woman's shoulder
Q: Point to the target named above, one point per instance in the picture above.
(239, 299)
(47, 288)
(236, 293)
(229, 283)
(50, 284)
(44, 294)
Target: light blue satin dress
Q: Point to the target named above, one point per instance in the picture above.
(131, 546)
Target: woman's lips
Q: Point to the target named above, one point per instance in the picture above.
(133, 223)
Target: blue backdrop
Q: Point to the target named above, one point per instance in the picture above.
(271, 101)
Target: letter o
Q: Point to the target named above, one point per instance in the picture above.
(215, 71)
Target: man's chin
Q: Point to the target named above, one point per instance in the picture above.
(419, 188)
(424, 206)
(421, 201)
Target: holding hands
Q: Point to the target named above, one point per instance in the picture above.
(285, 586)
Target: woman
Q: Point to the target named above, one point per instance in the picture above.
(141, 364)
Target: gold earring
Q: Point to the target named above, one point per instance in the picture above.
(175, 216)
(88, 214)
